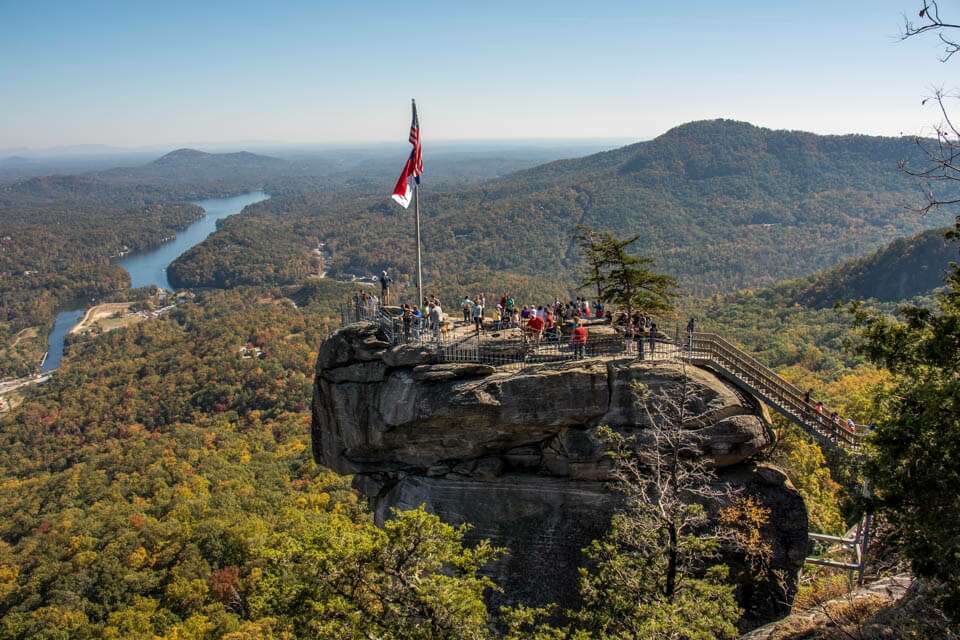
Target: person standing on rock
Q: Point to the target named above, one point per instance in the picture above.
(385, 282)
(478, 314)
(535, 328)
(467, 307)
(436, 317)
(627, 333)
(407, 322)
(549, 325)
(418, 322)
(638, 335)
(578, 340)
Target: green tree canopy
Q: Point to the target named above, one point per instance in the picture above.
(622, 278)
(916, 447)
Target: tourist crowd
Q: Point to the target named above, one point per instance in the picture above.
(544, 322)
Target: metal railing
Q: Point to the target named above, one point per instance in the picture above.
(706, 349)
(395, 328)
(526, 350)
(713, 351)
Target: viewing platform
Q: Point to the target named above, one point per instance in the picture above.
(511, 346)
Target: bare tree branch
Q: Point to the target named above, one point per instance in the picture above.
(929, 15)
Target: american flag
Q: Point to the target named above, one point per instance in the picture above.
(403, 191)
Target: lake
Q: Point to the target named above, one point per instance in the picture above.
(150, 267)
(65, 321)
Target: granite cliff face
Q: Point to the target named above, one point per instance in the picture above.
(514, 453)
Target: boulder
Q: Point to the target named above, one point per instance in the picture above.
(354, 342)
(423, 414)
(407, 355)
(514, 451)
(734, 439)
(359, 372)
(453, 371)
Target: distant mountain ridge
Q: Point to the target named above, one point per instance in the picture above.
(15, 160)
(905, 268)
(193, 156)
(179, 175)
(191, 165)
(720, 203)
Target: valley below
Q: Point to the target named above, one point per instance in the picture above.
(149, 268)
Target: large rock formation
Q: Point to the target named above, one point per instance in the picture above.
(514, 452)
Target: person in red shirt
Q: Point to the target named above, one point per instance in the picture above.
(579, 340)
(535, 328)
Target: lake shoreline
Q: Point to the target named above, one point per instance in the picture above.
(149, 267)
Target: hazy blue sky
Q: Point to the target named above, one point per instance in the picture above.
(136, 73)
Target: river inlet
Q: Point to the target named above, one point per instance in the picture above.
(150, 267)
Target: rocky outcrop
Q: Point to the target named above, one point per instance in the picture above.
(514, 451)
(892, 601)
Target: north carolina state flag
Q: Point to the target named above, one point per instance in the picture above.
(403, 192)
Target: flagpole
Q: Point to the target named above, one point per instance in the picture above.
(416, 217)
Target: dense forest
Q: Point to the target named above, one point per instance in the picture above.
(155, 464)
(161, 484)
(54, 256)
(721, 204)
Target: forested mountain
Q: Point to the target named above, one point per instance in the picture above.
(722, 204)
(905, 268)
(184, 174)
(795, 323)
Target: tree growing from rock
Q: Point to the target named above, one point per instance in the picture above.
(622, 278)
(591, 246)
(657, 568)
(657, 573)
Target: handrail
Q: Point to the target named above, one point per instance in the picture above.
(770, 377)
(771, 387)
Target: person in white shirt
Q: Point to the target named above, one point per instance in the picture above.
(436, 317)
